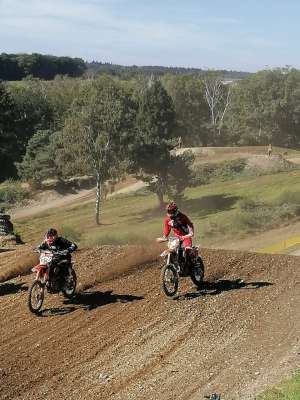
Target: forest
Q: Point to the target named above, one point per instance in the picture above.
(109, 126)
(96, 68)
(15, 67)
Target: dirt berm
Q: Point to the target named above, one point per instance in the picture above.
(123, 339)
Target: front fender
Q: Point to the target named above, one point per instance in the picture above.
(41, 272)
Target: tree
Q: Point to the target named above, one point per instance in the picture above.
(217, 96)
(33, 111)
(265, 109)
(19, 66)
(151, 149)
(191, 109)
(60, 94)
(288, 115)
(151, 158)
(38, 162)
(8, 148)
(97, 132)
(180, 175)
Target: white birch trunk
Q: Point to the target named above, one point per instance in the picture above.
(98, 198)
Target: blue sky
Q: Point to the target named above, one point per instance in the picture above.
(243, 35)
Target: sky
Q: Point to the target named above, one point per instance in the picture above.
(244, 35)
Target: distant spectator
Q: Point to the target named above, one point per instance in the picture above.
(179, 145)
(270, 150)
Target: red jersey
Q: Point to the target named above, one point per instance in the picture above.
(181, 225)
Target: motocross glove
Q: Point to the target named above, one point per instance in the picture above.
(72, 248)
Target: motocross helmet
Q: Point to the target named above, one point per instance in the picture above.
(51, 236)
(172, 209)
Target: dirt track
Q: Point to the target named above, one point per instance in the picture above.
(122, 339)
(51, 199)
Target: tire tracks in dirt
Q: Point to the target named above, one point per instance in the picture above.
(123, 339)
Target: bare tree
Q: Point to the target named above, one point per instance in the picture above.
(217, 96)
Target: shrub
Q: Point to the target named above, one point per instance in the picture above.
(226, 170)
(12, 193)
(202, 174)
(264, 217)
(248, 204)
(229, 169)
(288, 197)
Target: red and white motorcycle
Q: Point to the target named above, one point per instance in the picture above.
(180, 263)
(55, 274)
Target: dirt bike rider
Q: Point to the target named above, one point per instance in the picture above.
(182, 226)
(53, 242)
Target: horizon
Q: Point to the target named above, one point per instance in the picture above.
(232, 37)
(127, 65)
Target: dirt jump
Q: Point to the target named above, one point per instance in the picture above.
(122, 339)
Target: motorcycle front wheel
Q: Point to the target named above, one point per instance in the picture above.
(170, 280)
(36, 297)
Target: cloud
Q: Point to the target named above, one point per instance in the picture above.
(129, 32)
(94, 21)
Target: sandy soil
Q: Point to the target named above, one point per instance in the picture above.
(52, 199)
(295, 160)
(50, 202)
(121, 338)
(296, 253)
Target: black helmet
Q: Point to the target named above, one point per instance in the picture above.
(51, 232)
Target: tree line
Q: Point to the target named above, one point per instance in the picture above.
(15, 67)
(110, 126)
(125, 72)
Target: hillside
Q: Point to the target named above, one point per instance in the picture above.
(122, 339)
(215, 209)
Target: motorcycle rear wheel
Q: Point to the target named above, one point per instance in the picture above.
(197, 272)
(170, 280)
(70, 285)
(36, 297)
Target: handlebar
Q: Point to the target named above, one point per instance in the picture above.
(54, 252)
(162, 240)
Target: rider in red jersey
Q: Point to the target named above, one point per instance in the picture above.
(182, 226)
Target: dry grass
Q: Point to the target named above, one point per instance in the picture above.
(17, 262)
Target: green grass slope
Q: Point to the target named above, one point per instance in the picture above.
(289, 390)
(219, 210)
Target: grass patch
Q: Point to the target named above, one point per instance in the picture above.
(289, 390)
(11, 193)
(219, 211)
(264, 217)
(70, 232)
(289, 197)
(227, 170)
(215, 172)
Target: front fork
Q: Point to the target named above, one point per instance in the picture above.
(42, 277)
(170, 260)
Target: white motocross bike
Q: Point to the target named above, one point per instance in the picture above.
(180, 262)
